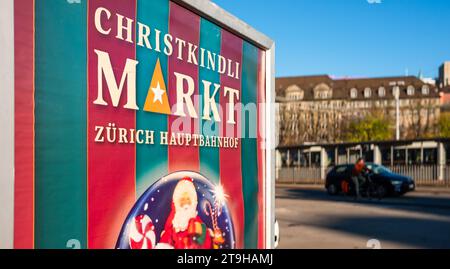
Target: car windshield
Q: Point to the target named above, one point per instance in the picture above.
(378, 169)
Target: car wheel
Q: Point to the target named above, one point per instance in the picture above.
(381, 191)
(332, 189)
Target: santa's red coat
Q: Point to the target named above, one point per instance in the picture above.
(186, 239)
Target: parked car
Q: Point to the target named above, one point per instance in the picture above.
(388, 182)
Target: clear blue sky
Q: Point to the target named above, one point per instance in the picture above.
(351, 37)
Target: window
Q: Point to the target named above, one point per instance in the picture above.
(447, 153)
(378, 169)
(385, 155)
(355, 154)
(331, 157)
(342, 156)
(367, 92)
(341, 169)
(399, 156)
(295, 96)
(367, 153)
(295, 158)
(315, 159)
(294, 93)
(284, 158)
(304, 159)
(414, 156)
(323, 91)
(430, 156)
(410, 90)
(381, 92)
(353, 93)
(425, 89)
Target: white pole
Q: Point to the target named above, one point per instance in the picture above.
(441, 161)
(7, 123)
(397, 112)
(271, 143)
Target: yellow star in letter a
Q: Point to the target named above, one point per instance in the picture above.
(158, 92)
(157, 100)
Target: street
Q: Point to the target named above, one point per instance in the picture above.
(310, 218)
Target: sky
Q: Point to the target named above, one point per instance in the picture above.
(351, 38)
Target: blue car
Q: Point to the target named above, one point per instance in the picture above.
(387, 182)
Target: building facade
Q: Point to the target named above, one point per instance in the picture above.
(318, 109)
(445, 99)
(444, 74)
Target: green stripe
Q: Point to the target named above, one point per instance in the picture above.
(151, 160)
(60, 112)
(249, 144)
(210, 39)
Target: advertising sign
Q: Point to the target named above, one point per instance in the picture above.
(138, 124)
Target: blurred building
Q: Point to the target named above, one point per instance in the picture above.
(317, 109)
(445, 99)
(444, 74)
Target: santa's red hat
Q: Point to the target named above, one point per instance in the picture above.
(188, 179)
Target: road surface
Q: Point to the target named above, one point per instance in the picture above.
(310, 218)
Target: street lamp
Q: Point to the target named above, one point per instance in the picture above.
(396, 91)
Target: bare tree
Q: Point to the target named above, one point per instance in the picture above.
(418, 117)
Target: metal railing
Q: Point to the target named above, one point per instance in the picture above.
(299, 175)
(424, 175)
(447, 175)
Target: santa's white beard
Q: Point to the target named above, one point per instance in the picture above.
(182, 217)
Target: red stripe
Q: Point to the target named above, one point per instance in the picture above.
(261, 148)
(111, 167)
(185, 25)
(24, 124)
(230, 158)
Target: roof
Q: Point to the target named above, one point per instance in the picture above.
(353, 144)
(341, 87)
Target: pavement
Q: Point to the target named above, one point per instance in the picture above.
(310, 218)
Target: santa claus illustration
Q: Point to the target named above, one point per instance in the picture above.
(184, 229)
